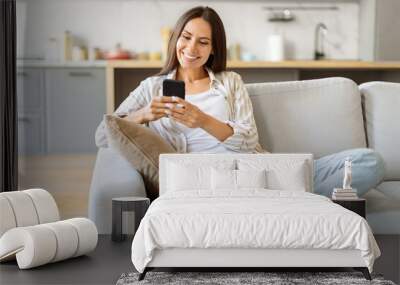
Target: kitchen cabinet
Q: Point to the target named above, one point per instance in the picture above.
(30, 93)
(31, 111)
(75, 103)
(379, 35)
(31, 134)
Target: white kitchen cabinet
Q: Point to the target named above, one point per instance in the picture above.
(31, 111)
(379, 30)
(75, 103)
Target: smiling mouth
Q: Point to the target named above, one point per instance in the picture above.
(189, 57)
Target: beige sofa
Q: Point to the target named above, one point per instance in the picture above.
(320, 116)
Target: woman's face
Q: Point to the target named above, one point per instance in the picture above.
(194, 45)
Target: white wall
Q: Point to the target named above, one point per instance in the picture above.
(136, 24)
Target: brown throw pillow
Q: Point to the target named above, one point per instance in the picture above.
(141, 146)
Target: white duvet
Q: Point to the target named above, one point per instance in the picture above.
(253, 218)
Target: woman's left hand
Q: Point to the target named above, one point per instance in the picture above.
(187, 114)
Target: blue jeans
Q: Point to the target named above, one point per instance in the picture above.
(367, 171)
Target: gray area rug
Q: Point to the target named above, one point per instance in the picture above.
(269, 278)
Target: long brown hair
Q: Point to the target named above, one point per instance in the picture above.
(217, 61)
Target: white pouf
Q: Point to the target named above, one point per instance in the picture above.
(31, 232)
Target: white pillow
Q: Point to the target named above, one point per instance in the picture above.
(223, 179)
(288, 174)
(251, 178)
(292, 178)
(237, 179)
(186, 176)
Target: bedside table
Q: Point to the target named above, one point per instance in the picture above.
(138, 205)
(357, 205)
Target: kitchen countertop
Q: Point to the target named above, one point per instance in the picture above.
(295, 64)
(58, 64)
(290, 64)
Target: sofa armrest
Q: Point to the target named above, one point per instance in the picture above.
(112, 177)
(381, 102)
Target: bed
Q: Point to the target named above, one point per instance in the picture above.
(247, 210)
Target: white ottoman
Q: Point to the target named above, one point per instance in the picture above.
(31, 232)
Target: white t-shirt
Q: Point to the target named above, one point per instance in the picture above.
(197, 139)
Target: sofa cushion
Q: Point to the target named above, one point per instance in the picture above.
(112, 171)
(140, 146)
(383, 208)
(391, 189)
(321, 116)
(381, 101)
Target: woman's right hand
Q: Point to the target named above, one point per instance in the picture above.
(158, 107)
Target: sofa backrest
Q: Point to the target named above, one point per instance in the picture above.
(320, 116)
(180, 172)
(381, 102)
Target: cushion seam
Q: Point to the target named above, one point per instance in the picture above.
(55, 235)
(13, 210)
(34, 206)
(79, 240)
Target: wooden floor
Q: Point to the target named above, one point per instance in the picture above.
(67, 178)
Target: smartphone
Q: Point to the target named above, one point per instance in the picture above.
(174, 88)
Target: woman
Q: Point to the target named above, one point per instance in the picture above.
(216, 115)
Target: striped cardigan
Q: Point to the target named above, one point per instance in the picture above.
(228, 84)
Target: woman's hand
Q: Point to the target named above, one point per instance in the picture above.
(156, 109)
(187, 114)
